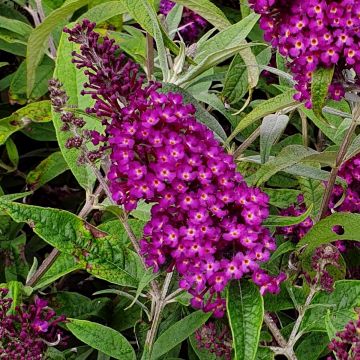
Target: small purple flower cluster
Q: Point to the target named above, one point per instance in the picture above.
(313, 34)
(346, 345)
(298, 231)
(28, 331)
(205, 222)
(216, 340)
(191, 25)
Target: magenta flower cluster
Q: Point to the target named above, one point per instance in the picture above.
(26, 332)
(298, 231)
(206, 222)
(350, 172)
(346, 344)
(215, 339)
(191, 25)
(313, 34)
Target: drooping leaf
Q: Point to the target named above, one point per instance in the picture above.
(245, 307)
(48, 169)
(34, 112)
(104, 11)
(267, 107)
(178, 332)
(274, 220)
(271, 129)
(102, 338)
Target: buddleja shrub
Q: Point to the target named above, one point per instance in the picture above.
(199, 192)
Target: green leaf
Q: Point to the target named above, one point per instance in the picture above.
(3, 63)
(12, 45)
(267, 107)
(287, 157)
(312, 346)
(38, 39)
(341, 305)
(178, 332)
(313, 191)
(15, 26)
(95, 251)
(173, 19)
(322, 232)
(12, 152)
(73, 80)
(201, 115)
(104, 11)
(354, 149)
(274, 220)
(48, 169)
(264, 354)
(64, 264)
(208, 11)
(236, 83)
(271, 130)
(245, 308)
(284, 248)
(282, 198)
(17, 91)
(34, 112)
(72, 304)
(320, 82)
(228, 38)
(138, 9)
(102, 338)
(208, 62)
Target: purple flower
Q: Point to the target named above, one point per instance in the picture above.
(202, 206)
(25, 332)
(313, 34)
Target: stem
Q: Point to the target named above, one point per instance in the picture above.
(339, 160)
(46, 264)
(304, 129)
(160, 303)
(274, 330)
(149, 56)
(246, 143)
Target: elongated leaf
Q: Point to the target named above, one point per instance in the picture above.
(227, 38)
(104, 11)
(282, 198)
(48, 169)
(267, 107)
(313, 191)
(290, 155)
(321, 80)
(63, 265)
(34, 112)
(271, 129)
(94, 250)
(138, 9)
(73, 80)
(245, 308)
(236, 83)
(323, 232)
(102, 338)
(341, 305)
(354, 148)
(178, 332)
(312, 346)
(208, 11)
(274, 220)
(201, 115)
(208, 62)
(37, 42)
(15, 26)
